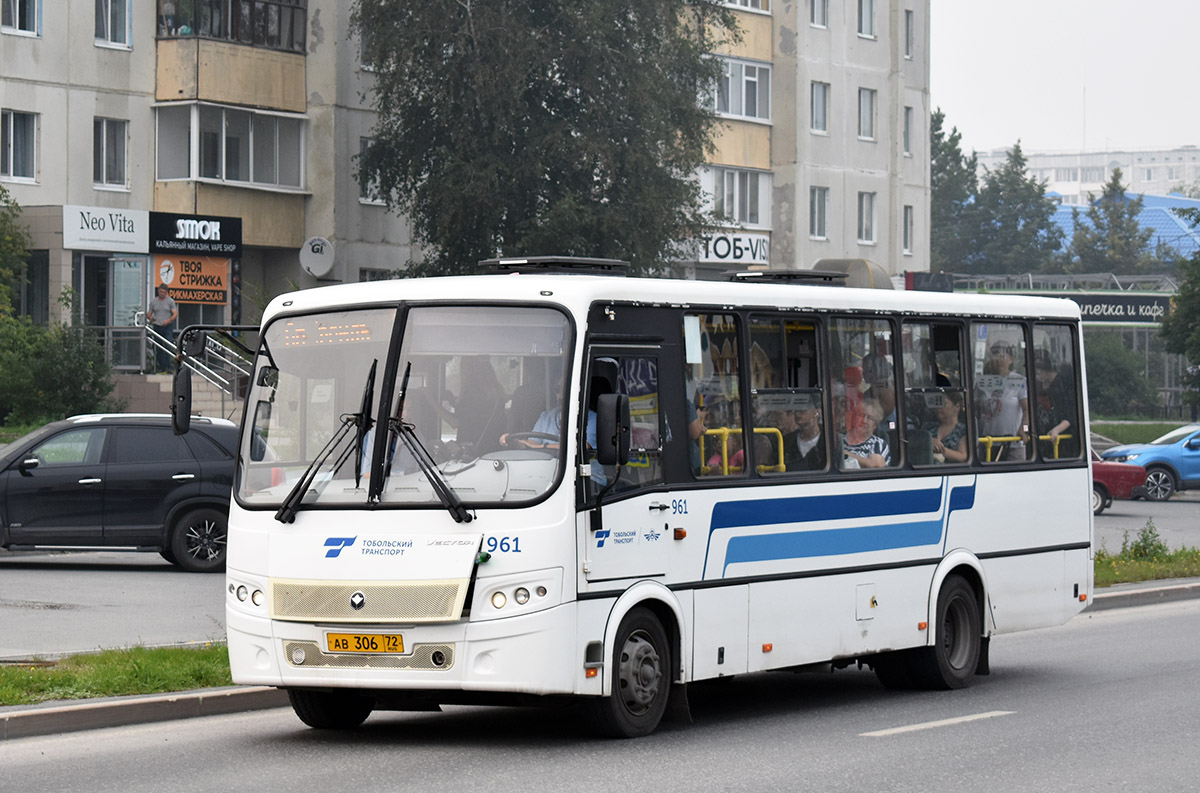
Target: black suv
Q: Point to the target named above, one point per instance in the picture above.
(121, 482)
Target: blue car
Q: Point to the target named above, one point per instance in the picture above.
(1172, 462)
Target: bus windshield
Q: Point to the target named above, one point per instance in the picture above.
(469, 401)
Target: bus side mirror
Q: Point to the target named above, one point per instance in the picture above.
(181, 401)
(612, 429)
(193, 342)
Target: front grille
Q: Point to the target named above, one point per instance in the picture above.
(420, 658)
(405, 602)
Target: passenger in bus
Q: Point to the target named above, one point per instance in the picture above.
(737, 456)
(1003, 404)
(861, 446)
(479, 414)
(1055, 407)
(697, 426)
(947, 430)
(549, 422)
(804, 448)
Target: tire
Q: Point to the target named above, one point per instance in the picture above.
(1099, 499)
(198, 540)
(954, 656)
(170, 557)
(641, 679)
(1160, 484)
(894, 670)
(324, 710)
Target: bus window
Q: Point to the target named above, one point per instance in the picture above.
(711, 375)
(1001, 391)
(786, 398)
(1056, 415)
(934, 400)
(863, 393)
(636, 378)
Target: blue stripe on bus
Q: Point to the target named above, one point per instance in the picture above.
(832, 542)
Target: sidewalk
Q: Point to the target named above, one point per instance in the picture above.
(49, 718)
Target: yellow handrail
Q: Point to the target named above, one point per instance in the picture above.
(725, 432)
(989, 440)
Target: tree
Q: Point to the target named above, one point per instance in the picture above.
(1016, 231)
(14, 246)
(1108, 237)
(1181, 328)
(952, 187)
(1117, 382)
(1188, 189)
(518, 127)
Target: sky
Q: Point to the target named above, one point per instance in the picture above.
(1066, 75)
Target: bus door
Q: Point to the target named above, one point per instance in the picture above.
(631, 537)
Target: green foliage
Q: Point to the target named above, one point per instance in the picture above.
(14, 245)
(1133, 432)
(1111, 240)
(1016, 232)
(1116, 377)
(51, 373)
(1148, 544)
(952, 188)
(1181, 327)
(113, 673)
(520, 127)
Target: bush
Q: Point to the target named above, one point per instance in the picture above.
(51, 373)
(1116, 378)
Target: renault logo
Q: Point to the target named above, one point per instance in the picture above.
(357, 601)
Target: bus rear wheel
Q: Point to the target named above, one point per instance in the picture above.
(330, 710)
(954, 656)
(641, 678)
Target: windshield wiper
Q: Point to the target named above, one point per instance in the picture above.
(407, 433)
(361, 421)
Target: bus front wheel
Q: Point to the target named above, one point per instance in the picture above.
(954, 656)
(330, 710)
(641, 678)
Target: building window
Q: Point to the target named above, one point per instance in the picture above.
(1172, 172)
(866, 18)
(738, 195)
(818, 213)
(744, 90)
(112, 21)
(908, 117)
(908, 34)
(908, 229)
(1092, 175)
(866, 113)
(757, 5)
(243, 146)
(1149, 174)
(1066, 174)
(866, 217)
(108, 152)
(18, 134)
(19, 16)
(368, 184)
(818, 15)
(819, 99)
(270, 24)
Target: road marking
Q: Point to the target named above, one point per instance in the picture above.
(929, 725)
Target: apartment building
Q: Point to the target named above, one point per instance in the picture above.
(1075, 175)
(208, 144)
(823, 148)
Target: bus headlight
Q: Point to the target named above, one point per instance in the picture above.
(498, 600)
(521, 596)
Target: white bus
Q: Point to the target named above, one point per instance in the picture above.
(428, 508)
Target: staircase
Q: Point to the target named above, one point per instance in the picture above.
(151, 393)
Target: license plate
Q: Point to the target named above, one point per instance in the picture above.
(364, 642)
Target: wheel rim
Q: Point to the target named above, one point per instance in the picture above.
(205, 540)
(1097, 500)
(640, 673)
(955, 630)
(1159, 485)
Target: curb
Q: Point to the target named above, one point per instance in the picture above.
(1138, 595)
(94, 714)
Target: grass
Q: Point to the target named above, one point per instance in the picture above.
(1141, 432)
(1145, 558)
(112, 673)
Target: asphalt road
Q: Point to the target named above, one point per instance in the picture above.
(1177, 521)
(1107, 702)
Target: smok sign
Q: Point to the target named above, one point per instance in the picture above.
(199, 235)
(735, 248)
(105, 229)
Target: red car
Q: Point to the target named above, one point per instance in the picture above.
(1115, 480)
